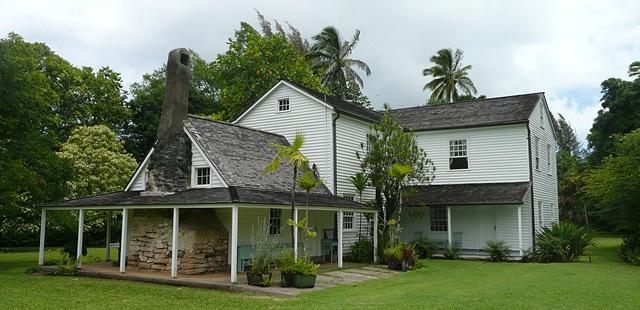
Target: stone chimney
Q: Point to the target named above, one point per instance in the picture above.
(170, 164)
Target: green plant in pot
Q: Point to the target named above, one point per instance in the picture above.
(262, 244)
(284, 263)
(304, 272)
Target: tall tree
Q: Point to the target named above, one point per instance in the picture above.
(634, 69)
(620, 114)
(30, 170)
(293, 36)
(147, 98)
(567, 138)
(252, 65)
(450, 77)
(292, 155)
(100, 163)
(330, 56)
(389, 144)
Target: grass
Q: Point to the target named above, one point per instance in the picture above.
(604, 283)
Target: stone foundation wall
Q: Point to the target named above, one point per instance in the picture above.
(202, 241)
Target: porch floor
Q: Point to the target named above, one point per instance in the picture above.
(329, 276)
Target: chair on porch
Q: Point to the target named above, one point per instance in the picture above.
(329, 244)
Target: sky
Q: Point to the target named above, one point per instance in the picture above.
(563, 48)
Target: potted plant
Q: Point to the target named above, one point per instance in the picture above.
(262, 244)
(284, 263)
(304, 273)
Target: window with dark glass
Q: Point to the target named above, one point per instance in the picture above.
(275, 221)
(203, 176)
(438, 217)
(283, 105)
(458, 154)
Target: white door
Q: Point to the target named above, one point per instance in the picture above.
(486, 225)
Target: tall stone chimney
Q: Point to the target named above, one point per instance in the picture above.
(170, 164)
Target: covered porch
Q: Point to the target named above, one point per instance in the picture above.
(182, 222)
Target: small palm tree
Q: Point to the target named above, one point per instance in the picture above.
(634, 69)
(291, 154)
(330, 56)
(360, 181)
(399, 173)
(450, 77)
(308, 181)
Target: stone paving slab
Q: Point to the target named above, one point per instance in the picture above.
(381, 269)
(375, 273)
(344, 275)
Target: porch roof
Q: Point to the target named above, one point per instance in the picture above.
(201, 196)
(467, 194)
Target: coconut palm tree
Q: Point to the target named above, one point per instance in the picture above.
(634, 69)
(329, 56)
(450, 77)
(291, 154)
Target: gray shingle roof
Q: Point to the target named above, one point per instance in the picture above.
(241, 154)
(207, 196)
(467, 194)
(486, 112)
(340, 105)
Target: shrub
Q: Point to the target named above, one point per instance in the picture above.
(66, 266)
(451, 252)
(304, 266)
(401, 256)
(362, 251)
(424, 247)
(70, 248)
(630, 249)
(564, 242)
(498, 250)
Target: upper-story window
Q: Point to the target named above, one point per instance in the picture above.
(542, 117)
(458, 154)
(348, 196)
(283, 105)
(203, 176)
(537, 153)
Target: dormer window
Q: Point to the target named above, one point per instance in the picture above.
(458, 154)
(283, 105)
(203, 176)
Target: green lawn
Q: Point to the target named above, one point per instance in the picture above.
(605, 283)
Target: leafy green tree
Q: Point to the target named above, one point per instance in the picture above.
(620, 114)
(30, 170)
(614, 186)
(147, 98)
(634, 69)
(100, 163)
(390, 144)
(330, 56)
(252, 65)
(292, 155)
(567, 138)
(450, 77)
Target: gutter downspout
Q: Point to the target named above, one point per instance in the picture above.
(335, 155)
(533, 218)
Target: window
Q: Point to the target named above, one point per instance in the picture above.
(203, 176)
(275, 221)
(537, 153)
(458, 154)
(438, 217)
(348, 196)
(542, 117)
(283, 105)
(553, 215)
(540, 215)
(548, 158)
(347, 220)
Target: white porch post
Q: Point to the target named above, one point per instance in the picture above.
(520, 230)
(449, 230)
(43, 226)
(234, 244)
(123, 240)
(340, 239)
(295, 235)
(375, 237)
(174, 243)
(107, 250)
(80, 235)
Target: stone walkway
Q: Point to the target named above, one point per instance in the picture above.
(220, 281)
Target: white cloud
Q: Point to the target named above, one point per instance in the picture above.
(579, 114)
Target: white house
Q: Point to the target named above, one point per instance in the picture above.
(495, 163)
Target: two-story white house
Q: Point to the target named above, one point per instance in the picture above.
(495, 163)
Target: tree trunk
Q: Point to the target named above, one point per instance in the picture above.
(293, 204)
(399, 205)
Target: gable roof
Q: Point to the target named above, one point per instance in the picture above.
(467, 194)
(240, 154)
(514, 109)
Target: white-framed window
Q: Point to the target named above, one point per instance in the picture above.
(283, 105)
(347, 220)
(540, 214)
(537, 153)
(458, 154)
(553, 215)
(203, 176)
(348, 196)
(275, 221)
(438, 218)
(548, 158)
